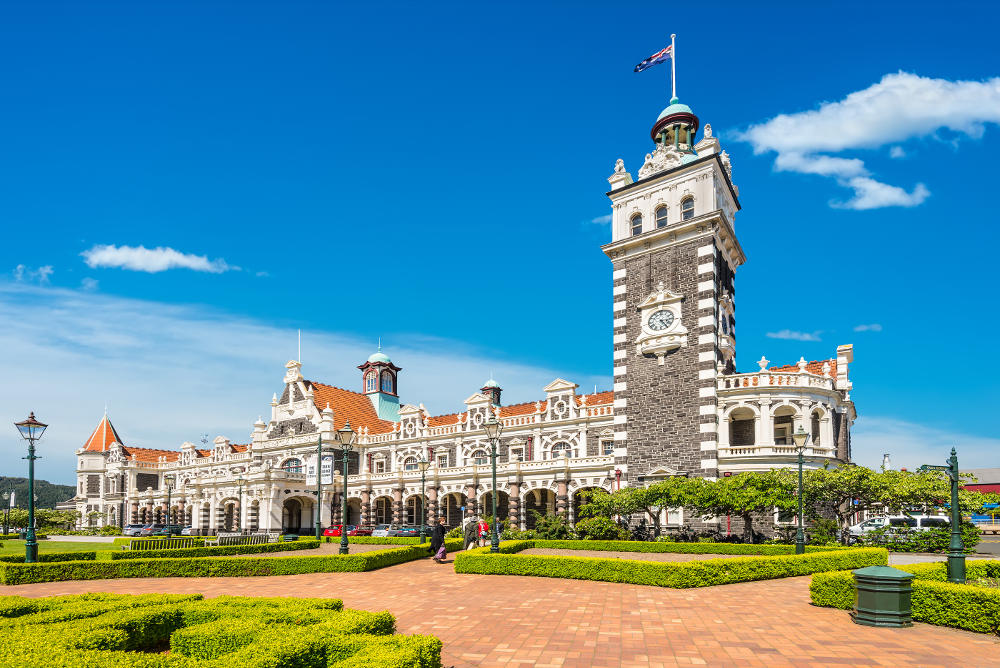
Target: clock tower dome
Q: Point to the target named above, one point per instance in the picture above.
(674, 255)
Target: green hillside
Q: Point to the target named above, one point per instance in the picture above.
(48, 494)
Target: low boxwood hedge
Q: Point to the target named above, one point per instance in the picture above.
(48, 557)
(676, 548)
(216, 551)
(934, 600)
(661, 574)
(119, 631)
(11, 574)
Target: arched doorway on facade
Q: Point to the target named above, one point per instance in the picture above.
(581, 497)
(503, 504)
(295, 515)
(413, 511)
(450, 507)
(229, 518)
(542, 501)
(254, 519)
(353, 511)
(382, 510)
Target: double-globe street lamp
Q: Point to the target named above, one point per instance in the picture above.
(493, 429)
(799, 438)
(31, 430)
(422, 464)
(168, 482)
(347, 436)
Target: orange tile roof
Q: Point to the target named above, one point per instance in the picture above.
(239, 447)
(151, 455)
(103, 436)
(441, 420)
(347, 405)
(518, 409)
(815, 367)
(598, 398)
(204, 453)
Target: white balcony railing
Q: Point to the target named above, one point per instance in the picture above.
(739, 381)
(775, 450)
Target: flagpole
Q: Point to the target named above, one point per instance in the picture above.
(673, 67)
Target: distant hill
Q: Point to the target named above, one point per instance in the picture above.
(48, 494)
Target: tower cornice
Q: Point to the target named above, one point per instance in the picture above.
(672, 173)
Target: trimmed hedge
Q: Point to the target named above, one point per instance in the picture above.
(121, 631)
(125, 540)
(189, 567)
(675, 548)
(48, 557)
(216, 551)
(703, 573)
(934, 600)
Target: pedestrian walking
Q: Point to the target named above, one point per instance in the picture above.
(437, 541)
(469, 532)
(482, 531)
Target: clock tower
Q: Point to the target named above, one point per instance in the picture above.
(674, 256)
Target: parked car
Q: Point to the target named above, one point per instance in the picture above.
(352, 530)
(169, 530)
(382, 530)
(407, 532)
(188, 531)
(133, 530)
(914, 522)
(361, 531)
(150, 529)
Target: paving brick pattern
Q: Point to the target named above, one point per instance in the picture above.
(520, 621)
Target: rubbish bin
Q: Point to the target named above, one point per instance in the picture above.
(882, 597)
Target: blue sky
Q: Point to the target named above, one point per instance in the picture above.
(434, 175)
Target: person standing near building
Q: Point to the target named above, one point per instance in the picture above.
(482, 532)
(437, 541)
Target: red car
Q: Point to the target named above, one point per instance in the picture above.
(351, 530)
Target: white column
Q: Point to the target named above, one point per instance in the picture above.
(765, 424)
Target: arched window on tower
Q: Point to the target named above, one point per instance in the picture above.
(661, 216)
(371, 381)
(292, 466)
(636, 224)
(687, 208)
(387, 382)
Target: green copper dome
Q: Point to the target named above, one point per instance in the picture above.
(491, 383)
(380, 357)
(675, 108)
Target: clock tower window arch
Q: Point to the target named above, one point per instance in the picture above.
(636, 224)
(371, 381)
(387, 382)
(687, 208)
(661, 216)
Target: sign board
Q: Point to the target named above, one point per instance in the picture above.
(327, 471)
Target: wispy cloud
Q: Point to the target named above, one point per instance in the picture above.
(897, 152)
(170, 373)
(912, 444)
(874, 327)
(25, 274)
(89, 284)
(794, 336)
(601, 220)
(901, 106)
(151, 260)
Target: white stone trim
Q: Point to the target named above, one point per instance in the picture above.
(621, 419)
(710, 463)
(621, 435)
(706, 338)
(706, 321)
(708, 427)
(706, 374)
(620, 306)
(619, 371)
(619, 354)
(620, 387)
(619, 338)
(703, 286)
(620, 403)
(702, 303)
(618, 273)
(706, 391)
(706, 356)
(709, 445)
(706, 250)
(707, 268)
(707, 409)
(618, 289)
(621, 322)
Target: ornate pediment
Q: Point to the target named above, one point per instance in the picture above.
(664, 157)
(559, 386)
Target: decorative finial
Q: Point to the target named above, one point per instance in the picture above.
(763, 362)
(380, 344)
(707, 132)
(802, 364)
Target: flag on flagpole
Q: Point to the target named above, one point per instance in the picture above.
(655, 59)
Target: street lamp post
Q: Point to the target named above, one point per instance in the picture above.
(240, 481)
(422, 464)
(168, 482)
(799, 438)
(956, 548)
(347, 445)
(6, 511)
(319, 487)
(493, 428)
(31, 430)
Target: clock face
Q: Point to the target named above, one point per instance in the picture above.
(661, 320)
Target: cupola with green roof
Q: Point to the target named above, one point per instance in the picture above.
(378, 383)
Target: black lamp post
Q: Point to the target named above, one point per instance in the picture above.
(799, 438)
(493, 428)
(422, 464)
(168, 482)
(956, 548)
(319, 488)
(31, 430)
(347, 436)
(240, 481)
(6, 511)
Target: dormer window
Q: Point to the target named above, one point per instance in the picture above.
(387, 382)
(371, 381)
(661, 216)
(687, 208)
(636, 224)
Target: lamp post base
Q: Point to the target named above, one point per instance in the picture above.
(956, 567)
(30, 551)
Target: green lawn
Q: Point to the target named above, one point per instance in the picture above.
(17, 547)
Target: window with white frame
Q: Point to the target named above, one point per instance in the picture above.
(636, 222)
(516, 454)
(387, 381)
(661, 216)
(378, 465)
(371, 380)
(480, 458)
(561, 449)
(608, 446)
(410, 464)
(292, 466)
(687, 208)
(442, 461)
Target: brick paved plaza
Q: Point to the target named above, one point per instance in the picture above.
(520, 621)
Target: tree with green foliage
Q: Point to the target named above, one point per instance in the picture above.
(746, 494)
(600, 528)
(653, 500)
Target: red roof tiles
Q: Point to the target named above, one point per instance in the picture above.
(103, 436)
(347, 405)
(151, 455)
(815, 367)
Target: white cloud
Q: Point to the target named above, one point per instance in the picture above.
(89, 284)
(601, 220)
(874, 327)
(151, 260)
(901, 106)
(794, 336)
(170, 373)
(25, 274)
(911, 445)
(897, 152)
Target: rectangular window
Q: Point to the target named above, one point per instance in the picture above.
(608, 447)
(379, 466)
(442, 461)
(516, 454)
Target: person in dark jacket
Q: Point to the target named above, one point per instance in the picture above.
(437, 541)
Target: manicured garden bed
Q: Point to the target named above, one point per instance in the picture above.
(934, 600)
(777, 561)
(225, 550)
(154, 631)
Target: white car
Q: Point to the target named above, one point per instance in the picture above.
(916, 522)
(382, 530)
